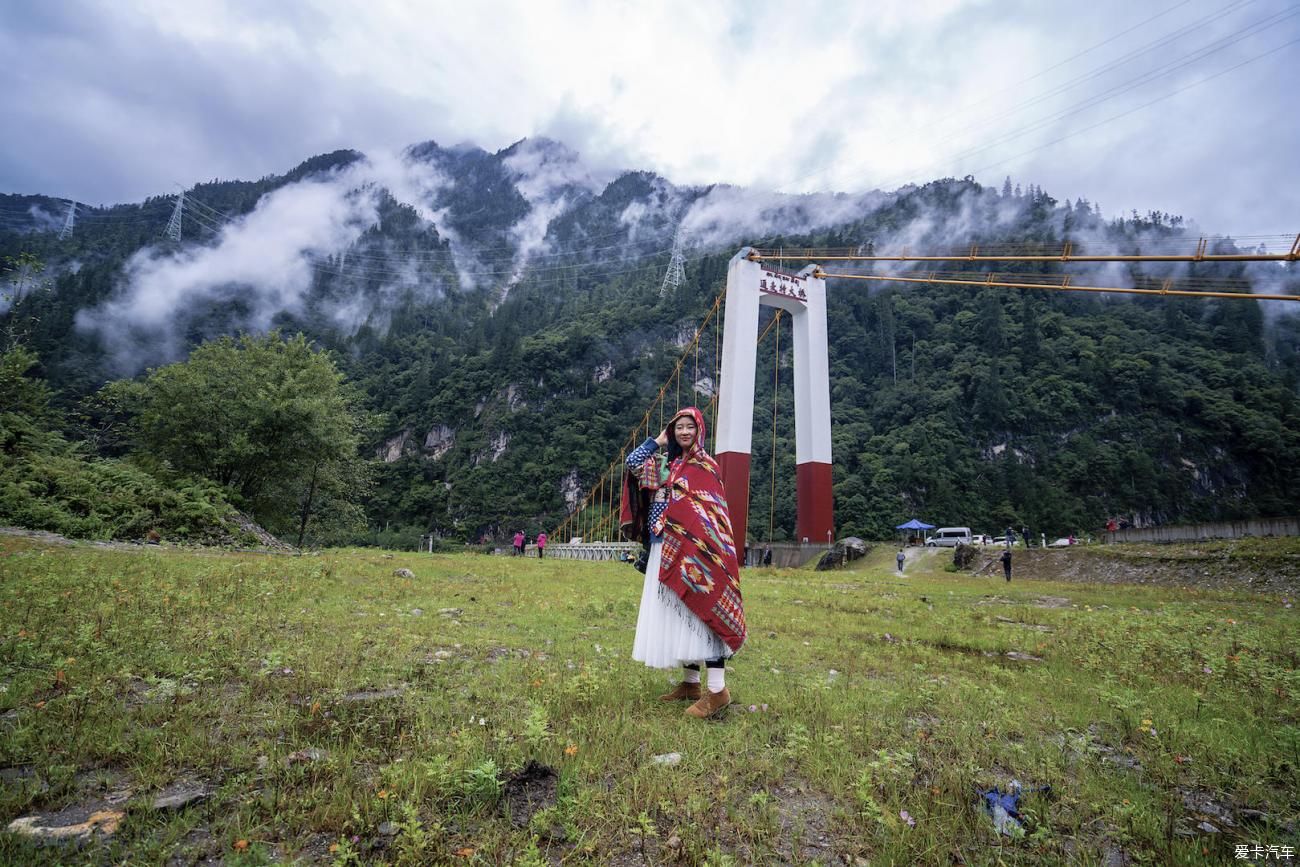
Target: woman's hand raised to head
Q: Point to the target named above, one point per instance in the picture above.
(662, 439)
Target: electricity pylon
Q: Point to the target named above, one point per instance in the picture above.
(676, 272)
(69, 221)
(173, 229)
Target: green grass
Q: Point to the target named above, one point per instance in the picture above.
(1147, 710)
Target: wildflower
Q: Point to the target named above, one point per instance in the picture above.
(536, 683)
(482, 720)
(906, 817)
(465, 852)
(334, 847)
(355, 838)
(40, 704)
(571, 750)
(382, 795)
(753, 708)
(315, 706)
(241, 845)
(1207, 669)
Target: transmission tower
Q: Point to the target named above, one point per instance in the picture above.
(676, 272)
(69, 221)
(173, 229)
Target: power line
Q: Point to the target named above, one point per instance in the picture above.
(570, 268)
(559, 273)
(937, 165)
(1158, 99)
(1075, 108)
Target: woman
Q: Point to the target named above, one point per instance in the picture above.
(691, 607)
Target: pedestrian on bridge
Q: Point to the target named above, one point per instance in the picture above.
(691, 607)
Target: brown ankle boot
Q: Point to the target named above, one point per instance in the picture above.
(710, 703)
(684, 692)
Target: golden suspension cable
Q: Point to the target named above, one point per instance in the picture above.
(695, 383)
(1062, 284)
(1014, 253)
(592, 500)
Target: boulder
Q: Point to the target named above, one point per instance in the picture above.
(846, 550)
(964, 555)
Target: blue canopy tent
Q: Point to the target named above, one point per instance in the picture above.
(914, 524)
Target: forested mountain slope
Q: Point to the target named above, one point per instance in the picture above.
(502, 315)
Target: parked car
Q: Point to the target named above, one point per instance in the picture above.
(1063, 542)
(981, 539)
(949, 537)
(1002, 540)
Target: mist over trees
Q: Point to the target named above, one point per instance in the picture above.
(500, 387)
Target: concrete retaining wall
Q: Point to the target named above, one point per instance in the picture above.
(1213, 530)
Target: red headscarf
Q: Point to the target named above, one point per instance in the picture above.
(698, 560)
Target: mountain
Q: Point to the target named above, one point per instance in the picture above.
(503, 312)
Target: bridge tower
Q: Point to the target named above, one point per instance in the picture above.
(751, 285)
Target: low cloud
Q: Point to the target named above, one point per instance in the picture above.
(267, 262)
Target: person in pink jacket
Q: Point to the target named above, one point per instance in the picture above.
(541, 545)
(519, 543)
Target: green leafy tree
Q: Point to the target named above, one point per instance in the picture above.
(47, 483)
(270, 419)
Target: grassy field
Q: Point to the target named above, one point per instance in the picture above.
(486, 711)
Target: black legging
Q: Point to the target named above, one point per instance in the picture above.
(720, 662)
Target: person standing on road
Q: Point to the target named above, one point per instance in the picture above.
(902, 558)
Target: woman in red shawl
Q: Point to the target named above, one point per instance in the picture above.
(691, 607)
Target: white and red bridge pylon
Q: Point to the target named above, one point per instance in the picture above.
(751, 285)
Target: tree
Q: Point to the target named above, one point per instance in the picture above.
(270, 419)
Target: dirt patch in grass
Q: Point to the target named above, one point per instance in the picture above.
(804, 815)
(529, 791)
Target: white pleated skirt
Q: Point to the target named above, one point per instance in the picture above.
(668, 634)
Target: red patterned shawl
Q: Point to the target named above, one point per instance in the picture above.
(698, 561)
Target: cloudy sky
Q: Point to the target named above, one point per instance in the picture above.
(1185, 106)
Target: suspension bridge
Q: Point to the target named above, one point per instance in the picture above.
(592, 526)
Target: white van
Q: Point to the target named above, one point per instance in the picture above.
(949, 537)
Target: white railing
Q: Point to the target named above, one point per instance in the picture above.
(588, 550)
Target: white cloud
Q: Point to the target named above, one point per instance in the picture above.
(268, 259)
(799, 97)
